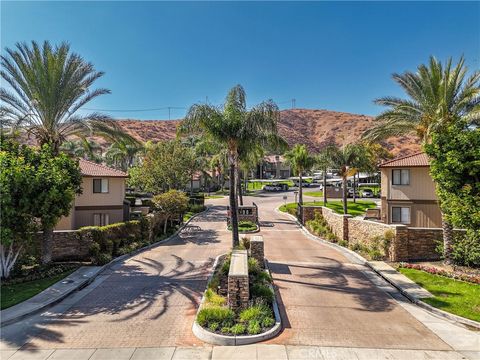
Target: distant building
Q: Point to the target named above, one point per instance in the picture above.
(273, 167)
(408, 192)
(101, 202)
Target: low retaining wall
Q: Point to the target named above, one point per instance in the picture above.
(409, 243)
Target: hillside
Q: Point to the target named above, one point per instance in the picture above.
(315, 128)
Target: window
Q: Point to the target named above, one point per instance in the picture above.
(100, 185)
(100, 219)
(401, 177)
(400, 215)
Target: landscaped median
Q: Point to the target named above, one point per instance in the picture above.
(246, 227)
(239, 305)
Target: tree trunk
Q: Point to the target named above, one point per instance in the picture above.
(165, 226)
(354, 188)
(300, 188)
(46, 257)
(191, 185)
(324, 187)
(447, 240)
(233, 206)
(344, 195)
(239, 185)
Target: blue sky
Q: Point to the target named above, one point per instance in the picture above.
(326, 55)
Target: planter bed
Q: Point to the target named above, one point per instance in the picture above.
(246, 227)
(215, 323)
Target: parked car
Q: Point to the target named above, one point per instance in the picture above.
(350, 193)
(367, 193)
(304, 184)
(272, 188)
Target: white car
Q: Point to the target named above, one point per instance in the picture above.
(367, 193)
(272, 188)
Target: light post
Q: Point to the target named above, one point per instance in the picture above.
(296, 193)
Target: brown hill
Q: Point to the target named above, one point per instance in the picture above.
(315, 128)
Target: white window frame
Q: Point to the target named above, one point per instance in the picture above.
(104, 186)
(402, 220)
(404, 177)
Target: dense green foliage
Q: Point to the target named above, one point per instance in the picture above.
(37, 188)
(458, 297)
(354, 208)
(171, 203)
(166, 165)
(455, 168)
(301, 161)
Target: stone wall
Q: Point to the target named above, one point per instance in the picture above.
(408, 243)
(67, 245)
(257, 249)
(238, 286)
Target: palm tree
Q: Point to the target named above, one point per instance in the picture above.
(438, 95)
(324, 160)
(49, 87)
(231, 126)
(346, 160)
(301, 161)
(122, 154)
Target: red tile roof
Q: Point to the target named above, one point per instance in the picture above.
(414, 160)
(90, 168)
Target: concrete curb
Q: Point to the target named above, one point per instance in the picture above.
(229, 340)
(7, 320)
(455, 319)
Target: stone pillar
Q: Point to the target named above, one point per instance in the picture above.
(257, 249)
(345, 218)
(238, 290)
(399, 247)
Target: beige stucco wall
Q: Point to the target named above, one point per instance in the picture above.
(66, 222)
(421, 185)
(115, 195)
(85, 217)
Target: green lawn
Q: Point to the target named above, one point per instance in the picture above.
(214, 196)
(354, 209)
(16, 293)
(457, 297)
(313, 193)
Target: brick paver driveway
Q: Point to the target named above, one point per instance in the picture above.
(327, 300)
(150, 300)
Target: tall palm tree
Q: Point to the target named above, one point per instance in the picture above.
(301, 161)
(346, 160)
(438, 95)
(324, 161)
(123, 154)
(49, 85)
(231, 126)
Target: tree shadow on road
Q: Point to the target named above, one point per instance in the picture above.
(142, 289)
(333, 276)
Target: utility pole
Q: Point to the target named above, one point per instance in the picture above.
(169, 112)
(293, 103)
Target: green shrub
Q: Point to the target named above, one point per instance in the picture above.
(196, 208)
(226, 266)
(254, 327)
(213, 326)
(255, 312)
(268, 322)
(214, 299)
(237, 329)
(466, 249)
(331, 237)
(215, 282)
(225, 330)
(263, 277)
(217, 314)
(263, 292)
(253, 266)
(102, 259)
(246, 242)
(343, 243)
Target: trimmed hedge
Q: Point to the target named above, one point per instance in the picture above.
(116, 239)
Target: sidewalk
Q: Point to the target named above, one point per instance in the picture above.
(250, 352)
